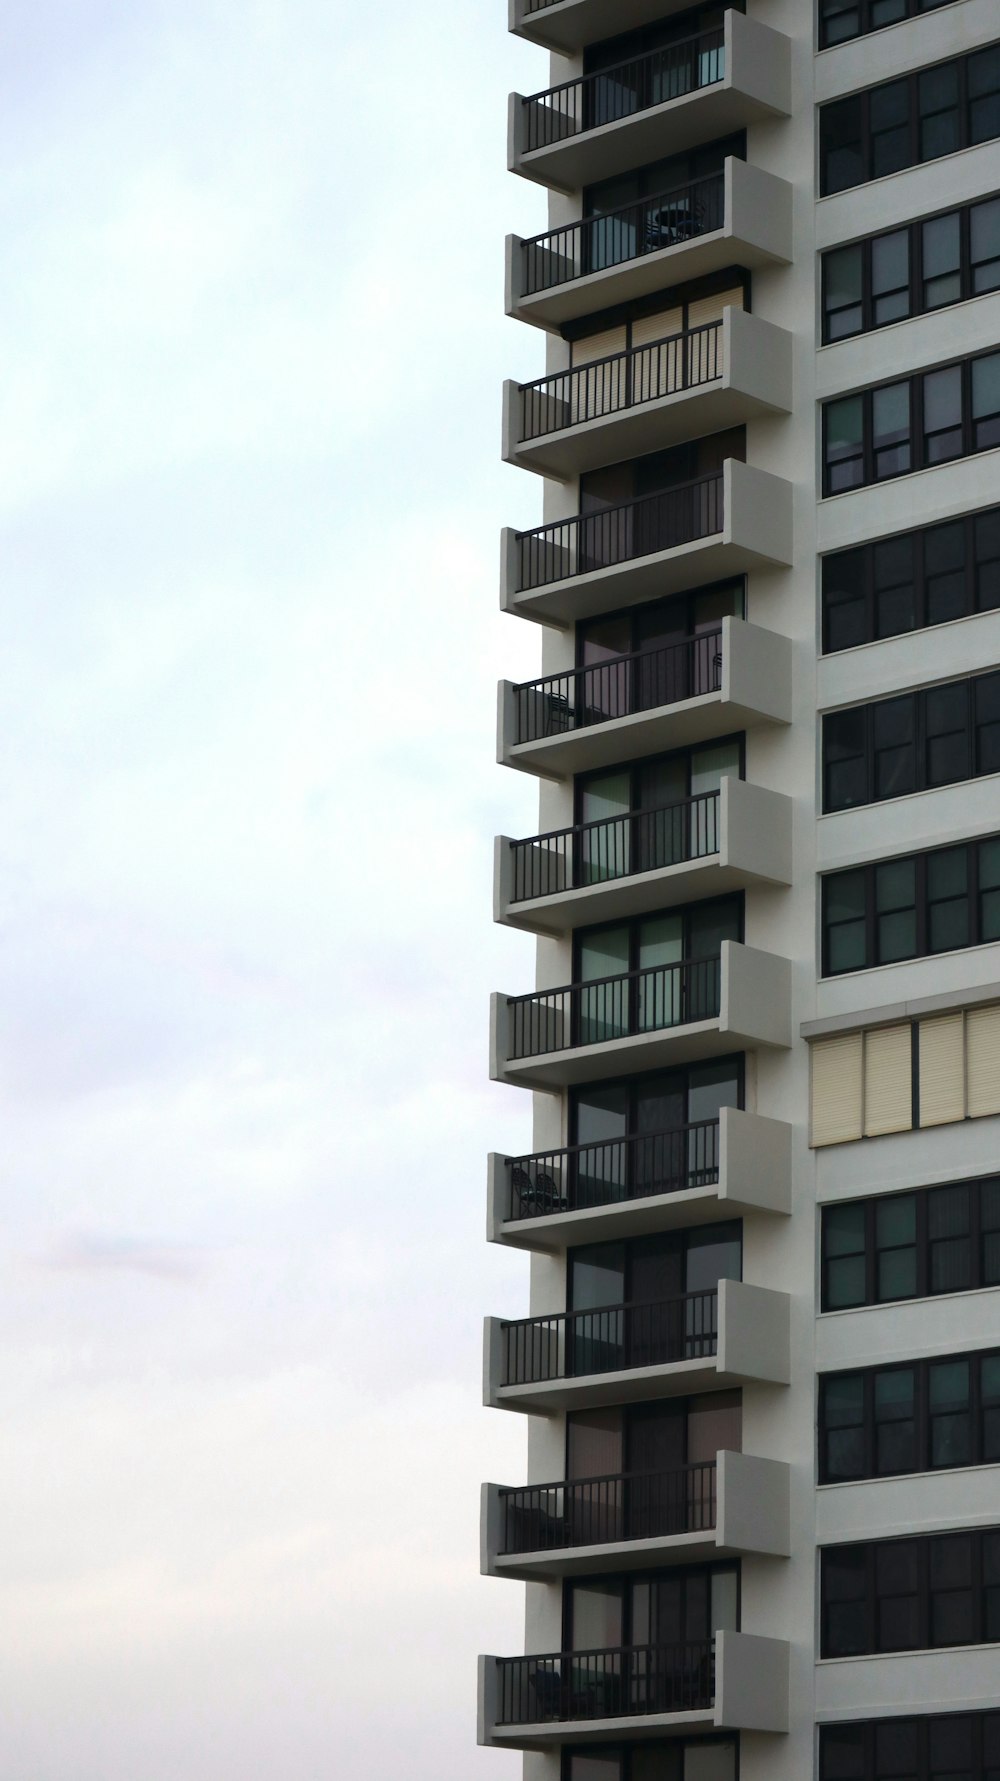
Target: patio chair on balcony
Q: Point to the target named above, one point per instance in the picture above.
(535, 1198)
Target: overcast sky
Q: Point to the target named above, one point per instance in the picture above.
(251, 346)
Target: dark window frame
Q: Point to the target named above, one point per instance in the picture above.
(911, 453)
(924, 903)
(633, 615)
(633, 1085)
(623, 1753)
(867, 752)
(582, 780)
(980, 1229)
(923, 1418)
(924, 1552)
(982, 1724)
(634, 924)
(855, 110)
(860, 590)
(706, 1568)
(916, 277)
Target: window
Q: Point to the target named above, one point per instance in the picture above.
(840, 20)
(902, 122)
(657, 971)
(913, 1245)
(940, 1747)
(879, 1422)
(910, 1595)
(697, 1759)
(894, 1078)
(910, 744)
(908, 908)
(928, 419)
(654, 813)
(927, 265)
(908, 582)
(652, 1134)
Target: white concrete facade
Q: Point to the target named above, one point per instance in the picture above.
(773, 1684)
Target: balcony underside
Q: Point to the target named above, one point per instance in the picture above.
(630, 1385)
(704, 115)
(631, 583)
(571, 24)
(648, 426)
(622, 739)
(714, 251)
(626, 1218)
(614, 1555)
(625, 1729)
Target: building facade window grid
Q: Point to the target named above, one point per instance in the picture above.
(934, 1240)
(901, 123)
(912, 580)
(929, 264)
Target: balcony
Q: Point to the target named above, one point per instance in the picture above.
(704, 1341)
(568, 25)
(731, 1505)
(735, 1681)
(684, 386)
(736, 1166)
(718, 526)
(739, 217)
(642, 1020)
(696, 90)
(697, 690)
(650, 859)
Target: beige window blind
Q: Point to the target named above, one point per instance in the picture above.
(657, 327)
(836, 1089)
(709, 309)
(942, 1070)
(982, 1052)
(888, 1080)
(598, 346)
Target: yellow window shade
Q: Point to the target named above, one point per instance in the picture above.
(982, 1061)
(942, 1070)
(836, 1089)
(888, 1081)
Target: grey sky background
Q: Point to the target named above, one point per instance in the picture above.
(251, 345)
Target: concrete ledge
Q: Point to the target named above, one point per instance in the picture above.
(756, 85)
(754, 1178)
(755, 378)
(756, 231)
(756, 532)
(752, 1498)
(753, 1349)
(753, 829)
(756, 688)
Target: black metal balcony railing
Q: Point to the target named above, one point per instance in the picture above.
(605, 1684)
(647, 1001)
(622, 380)
(594, 1511)
(615, 847)
(589, 541)
(597, 243)
(619, 687)
(610, 1339)
(619, 92)
(583, 1176)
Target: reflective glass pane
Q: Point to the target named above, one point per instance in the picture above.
(891, 429)
(842, 292)
(984, 234)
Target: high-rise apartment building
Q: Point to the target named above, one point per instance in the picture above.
(760, 1531)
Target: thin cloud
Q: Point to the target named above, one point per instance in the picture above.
(83, 1252)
